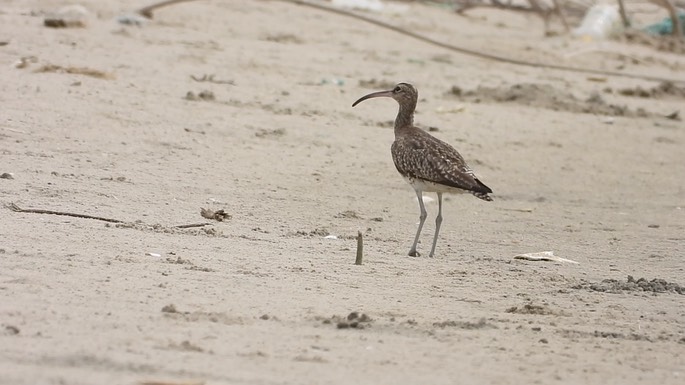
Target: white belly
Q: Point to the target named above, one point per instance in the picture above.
(425, 186)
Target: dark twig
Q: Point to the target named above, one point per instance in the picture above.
(147, 11)
(18, 209)
(360, 248)
(624, 15)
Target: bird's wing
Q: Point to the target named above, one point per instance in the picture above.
(428, 158)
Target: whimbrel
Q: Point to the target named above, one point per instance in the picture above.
(426, 163)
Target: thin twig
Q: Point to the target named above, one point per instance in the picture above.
(147, 11)
(624, 15)
(193, 225)
(18, 209)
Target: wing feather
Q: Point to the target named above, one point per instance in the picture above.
(422, 156)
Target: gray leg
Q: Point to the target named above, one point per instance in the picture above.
(438, 222)
(422, 218)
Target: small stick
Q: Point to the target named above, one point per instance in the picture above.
(624, 15)
(18, 209)
(147, 11)
(193, 225)
(360, 248)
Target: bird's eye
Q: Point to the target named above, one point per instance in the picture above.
(397, 89)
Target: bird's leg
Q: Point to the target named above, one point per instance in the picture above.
(438, 222)
(422, 219)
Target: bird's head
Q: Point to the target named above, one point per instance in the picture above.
(404, 93)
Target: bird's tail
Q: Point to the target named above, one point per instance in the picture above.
(483, 193)
(483, 196)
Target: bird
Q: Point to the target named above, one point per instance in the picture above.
(427, 163)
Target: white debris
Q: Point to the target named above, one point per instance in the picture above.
(330, 237)
(153, 255)
(133, 19)
(370, 5)
(543, 256)
(364, 5)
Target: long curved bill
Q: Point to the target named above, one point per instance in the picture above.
(373, 95)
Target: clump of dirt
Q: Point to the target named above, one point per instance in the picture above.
(348, 214)
(170, 311)
(11, 330)
(219, 215)
(663, 90)
(263, 133)
(354, 320)
(529, 308)
(285, 38)
(570, 333)
(203, 95)
(75, 71)
(317, 232)
(480, 324)
(545, 96)
(656, 285)
(186, 346)
(660, 43)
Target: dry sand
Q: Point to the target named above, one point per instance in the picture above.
(260, 298)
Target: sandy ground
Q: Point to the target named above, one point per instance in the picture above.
(263, 298)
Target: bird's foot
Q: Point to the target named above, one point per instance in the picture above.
(414, 253)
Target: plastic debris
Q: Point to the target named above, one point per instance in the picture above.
(600, 21)
(665, 26)
(543, 256)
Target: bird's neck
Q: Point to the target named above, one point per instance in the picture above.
(405, 117)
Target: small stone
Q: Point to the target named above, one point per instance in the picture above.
(71, 16)
(169, 309)
(6, 175)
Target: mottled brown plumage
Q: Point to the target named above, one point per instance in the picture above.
(427, 163)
